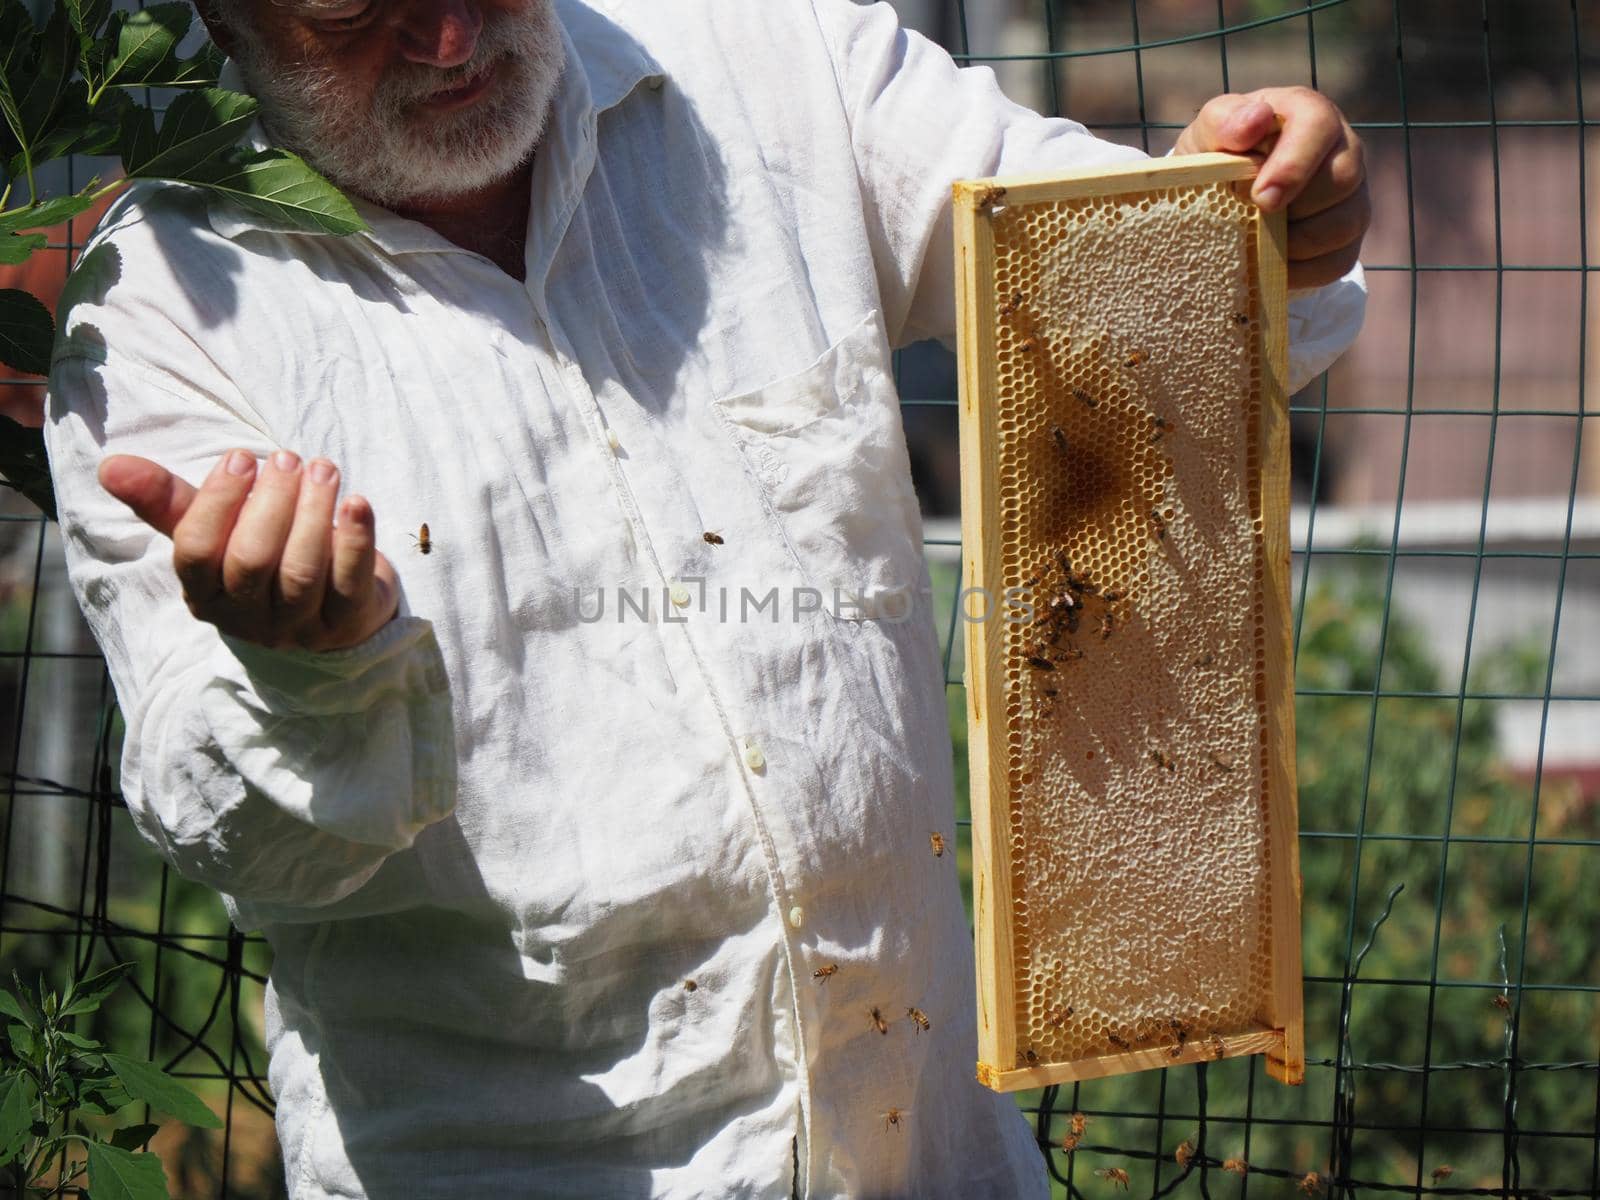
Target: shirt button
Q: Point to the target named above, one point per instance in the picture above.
(681, 595)
(753, 758)
(797, 916)
(613, 440)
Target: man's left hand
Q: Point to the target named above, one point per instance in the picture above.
(1311, 163)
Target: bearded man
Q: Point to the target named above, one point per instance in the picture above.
(567, 906)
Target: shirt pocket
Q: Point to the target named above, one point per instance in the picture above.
(828, 451)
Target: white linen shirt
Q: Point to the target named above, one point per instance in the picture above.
(549, 894)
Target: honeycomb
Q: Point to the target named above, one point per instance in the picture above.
(1127, 379)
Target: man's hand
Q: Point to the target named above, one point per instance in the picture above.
(1311, 161)
(266, 563)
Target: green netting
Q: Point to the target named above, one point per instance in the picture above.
(1447, 634)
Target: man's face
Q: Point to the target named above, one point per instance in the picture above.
(402, 101)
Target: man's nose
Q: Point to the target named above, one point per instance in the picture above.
(441, 33)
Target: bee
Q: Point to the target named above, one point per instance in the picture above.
(1106, 625)
(878, 1022)
(1206, 659)
(1011, 305)
(920, 1020)
(1072, 654)
(1221, 762)
(1236, 1165)
(1135, 358)
(1059, 1017)
(1070, 1142)
(1114, 1175)
(1060, 438)
(893, 1117)
(1184, 1153)
(823, 974)
(1311, 1185)
(1442, 1172)
(1181, 1032)
(1162, 759)
(1052, 693)
(1118, 1042)
(1031, 1057)
(1085, 397)
(1039, 663)
(712, 539)
(1219, 1048)
(989, 197)
(1030, 344)
(1079, 1123)
(1158, 523)
(690, 985)
(1241, 319)
(936, 840)
(423, 540)
(1501, 1001)
(1160, 428)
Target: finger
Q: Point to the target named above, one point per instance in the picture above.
(1342, 176)
(1312, 131)
(200, 537)
(352, 597)
(259, 535)
(1331, 230)
(303, 569)
(1229, 123)
(157, 496)
(1318, 272)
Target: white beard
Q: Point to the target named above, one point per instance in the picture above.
(392, 154)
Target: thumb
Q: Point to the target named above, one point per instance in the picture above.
(157, 496)
(1233, 124)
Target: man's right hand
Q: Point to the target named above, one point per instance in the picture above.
(257, 551)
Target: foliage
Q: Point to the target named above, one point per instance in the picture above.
(68, 87)
(49, 1073)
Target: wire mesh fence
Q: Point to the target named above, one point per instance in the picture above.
(1447, 635)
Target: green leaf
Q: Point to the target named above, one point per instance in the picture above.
(134, 1136)
(137, 50)
(148, 1082)
(47, 212)
(25, 468)
(16, 46)
(86, 995)
(76, 129)
(18, 1095)
(281, 188)
(40, 95)
(87, 16)
(104, 1100)
(117, 1174)
(15, 248)
(198, 126)
(27, 331)
(23, 1043)
(199, 70)
(24, 997)
(11, 1008)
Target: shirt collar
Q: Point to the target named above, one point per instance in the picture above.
(604, 67)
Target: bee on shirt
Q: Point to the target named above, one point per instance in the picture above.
(423, 540)
(712, 539)
(920, 1020)
(690, 985)
(936, 840)
(894, 1117)
(1114, 1175)
(878, 1022)
(823, 974)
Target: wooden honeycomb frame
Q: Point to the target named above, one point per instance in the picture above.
(1125, 464)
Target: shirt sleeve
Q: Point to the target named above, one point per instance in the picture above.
(918, 122)
(281, 778)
